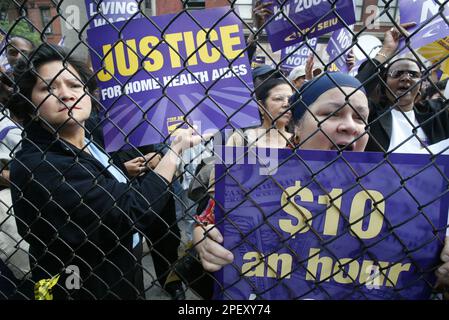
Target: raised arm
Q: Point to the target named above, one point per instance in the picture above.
(370, 70)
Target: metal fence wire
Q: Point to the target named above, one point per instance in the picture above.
(103, 197)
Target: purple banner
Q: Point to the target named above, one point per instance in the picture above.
(259, 59)
(196, 72)
(296, 55)
(311, 17)
(311, 231)
(430, 26)
(355, 70)
(100, 12)
(336, 48)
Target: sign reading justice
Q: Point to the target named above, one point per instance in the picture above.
(155, 75)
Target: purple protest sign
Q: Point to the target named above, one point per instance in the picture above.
(311, 17)
(99, 12)
(336, 48)
(197, 72)
(291, 241)
(296, 55)
(430, 26)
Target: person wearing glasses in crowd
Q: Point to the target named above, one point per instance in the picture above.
(397, 122)
(322, 121)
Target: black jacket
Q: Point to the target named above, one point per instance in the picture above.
(432, 115)
(72, 211)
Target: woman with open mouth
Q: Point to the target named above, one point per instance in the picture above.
(398, 123)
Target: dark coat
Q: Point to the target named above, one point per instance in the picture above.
(72, 211)
(430, 114)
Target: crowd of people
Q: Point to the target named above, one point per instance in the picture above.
(66, 202)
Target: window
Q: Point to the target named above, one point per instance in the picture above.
(392, 6)
(194, 4)
(46, 18)
(245, 8)
(358, 10)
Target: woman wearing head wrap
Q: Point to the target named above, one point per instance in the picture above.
(330, 113)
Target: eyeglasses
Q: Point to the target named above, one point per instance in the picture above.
(397, 74)
(279, 98)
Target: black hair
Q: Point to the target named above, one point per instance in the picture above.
(25, 75)
(264, 88)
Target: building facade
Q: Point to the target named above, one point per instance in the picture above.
(373, 18)
(41, 16)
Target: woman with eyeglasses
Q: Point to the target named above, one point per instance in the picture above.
(272, 97)
(397, 122)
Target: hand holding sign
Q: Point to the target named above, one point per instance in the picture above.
(261, 12)
(207, 243)
(443, 271)
(391, 40)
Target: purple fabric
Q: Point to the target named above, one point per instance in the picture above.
(4, 132)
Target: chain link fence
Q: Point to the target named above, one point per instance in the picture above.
(178, 156)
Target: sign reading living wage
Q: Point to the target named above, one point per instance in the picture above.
(101, 12)
(152, 81)
(330, 227)
(306, 17)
